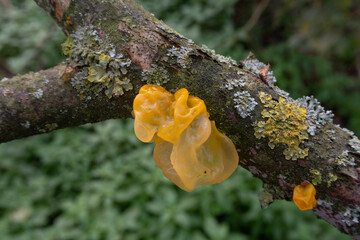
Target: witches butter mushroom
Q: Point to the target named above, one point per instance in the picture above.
(304, 196)
(189, 149)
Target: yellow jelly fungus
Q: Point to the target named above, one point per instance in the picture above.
(304, 196)
(189, 149)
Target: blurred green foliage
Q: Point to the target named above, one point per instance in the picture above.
(29, 38)
(99, 182)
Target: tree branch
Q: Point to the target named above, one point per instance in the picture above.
(114, 48)
(44, 101)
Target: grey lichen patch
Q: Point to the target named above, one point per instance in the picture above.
(107, 68)
(155, 75)
(181, 54)
(233, 83)
(351, 133)
(355, 144)
(345, 160)
(316, 176)
(254, 65)
(331, 133)
(351, 215)
(244, 103)
(120, 63)
(219, 58)
(316, 115)
(38, 93)
(113, 79)
(282, 93)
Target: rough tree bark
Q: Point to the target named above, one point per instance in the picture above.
(115, 46)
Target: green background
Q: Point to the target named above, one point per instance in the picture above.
(99, 182)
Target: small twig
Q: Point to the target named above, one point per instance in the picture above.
(248, 25)
(255, 15)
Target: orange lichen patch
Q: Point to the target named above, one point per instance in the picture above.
(189, 149)
(304, 196)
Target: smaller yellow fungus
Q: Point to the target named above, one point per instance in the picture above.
(304, 196)
(189, 149)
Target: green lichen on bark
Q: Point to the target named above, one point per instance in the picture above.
(332, 178)
(285, 124)
(67, 46)
(345, 160)
(155, 75)
(106, 67)
(316, 177)
(111, 77)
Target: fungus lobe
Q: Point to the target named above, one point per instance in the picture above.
(304, 196)
(189, 149)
